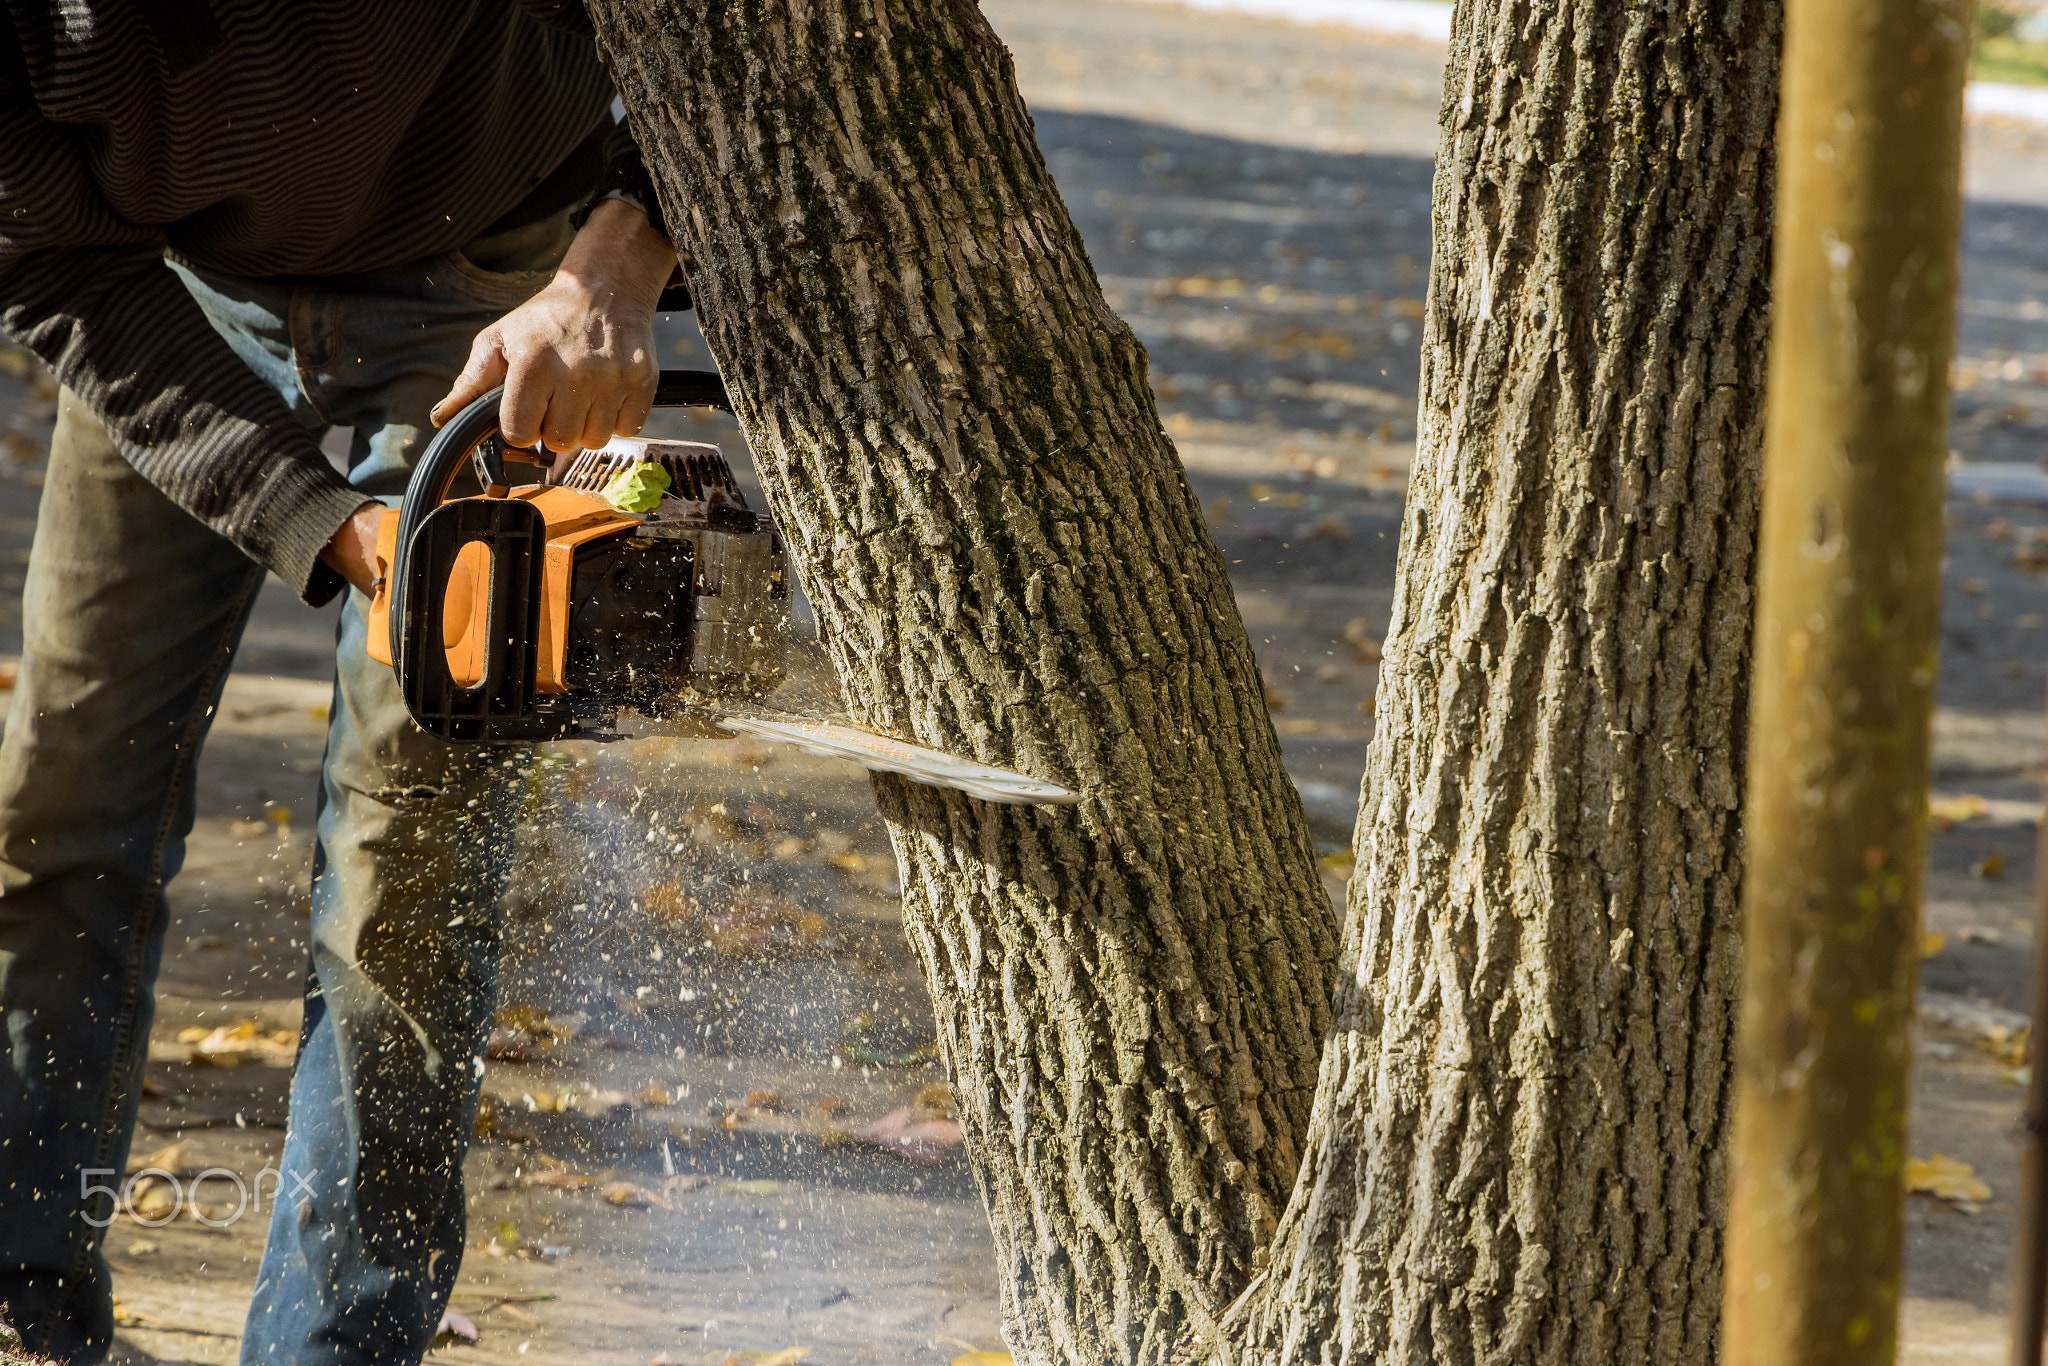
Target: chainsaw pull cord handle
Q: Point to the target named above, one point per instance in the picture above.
(451, 447)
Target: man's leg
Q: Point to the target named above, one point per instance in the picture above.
(132, 610)
(415, 842)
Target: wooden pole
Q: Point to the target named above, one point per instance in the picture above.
(2030, 1239)
(1863, 300)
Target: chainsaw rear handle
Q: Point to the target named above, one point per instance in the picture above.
(467, 434)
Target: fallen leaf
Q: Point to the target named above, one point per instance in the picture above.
(454, 1330)
(669, 901)
(142, 1247)
(558, 1180)
(152, 1201)
(982, 1359)
(626, 1195)
(2009, 1046)
(765, 1100)
(1990, 866)
(1946, 1179)
(832, 1105)
(657, 1095)
(232, 1045)
(170, 1159)
(1944, 812)
(1932, 942)
(925, 1141)
(934, 1101)
(490, 1122)
(540, 1024)
(744, 929)
(788, 1356)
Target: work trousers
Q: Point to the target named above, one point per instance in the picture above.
(132, 612)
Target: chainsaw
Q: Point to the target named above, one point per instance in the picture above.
(639, 583)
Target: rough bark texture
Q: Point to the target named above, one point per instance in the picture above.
(959, 442)
(1517, 1154)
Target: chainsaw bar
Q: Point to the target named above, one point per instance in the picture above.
(885, 755)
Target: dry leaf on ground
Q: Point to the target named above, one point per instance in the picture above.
(235, 1044)
(1944, 812)
(670, 901)
(788, 1356)
(170, 1159)
(454, 1330)
(1947, 1179)
(626, 1195)
(982, 1359)
(2009, 1046)
(928, 1141)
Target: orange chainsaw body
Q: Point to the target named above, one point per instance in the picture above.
(570, 518)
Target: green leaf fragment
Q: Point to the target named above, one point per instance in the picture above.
(638, 489)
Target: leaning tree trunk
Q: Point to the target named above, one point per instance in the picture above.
(1518, 1148)
(958, 440)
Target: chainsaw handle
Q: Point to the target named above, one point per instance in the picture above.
(445, 455)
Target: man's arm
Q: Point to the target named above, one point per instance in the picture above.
(90, 294)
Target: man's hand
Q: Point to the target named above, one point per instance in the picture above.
(352, 552)
(577, 359)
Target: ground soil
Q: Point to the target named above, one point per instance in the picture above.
(1255, 198)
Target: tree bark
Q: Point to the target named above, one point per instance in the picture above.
(1518, 1147)
(958, 440)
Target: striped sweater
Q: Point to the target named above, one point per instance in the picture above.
(261, 137)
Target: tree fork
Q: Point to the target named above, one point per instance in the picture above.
(1869, 218)
(958, 440)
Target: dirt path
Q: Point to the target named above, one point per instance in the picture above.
(1255, 198)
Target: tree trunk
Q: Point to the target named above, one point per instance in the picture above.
(958, 440)
(1518, 1147)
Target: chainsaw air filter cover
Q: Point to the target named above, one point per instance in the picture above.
(701, 553)
(538, 612)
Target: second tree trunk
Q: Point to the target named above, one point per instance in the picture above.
(1519, 1146)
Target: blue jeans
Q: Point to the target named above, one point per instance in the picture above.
(131, 614)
